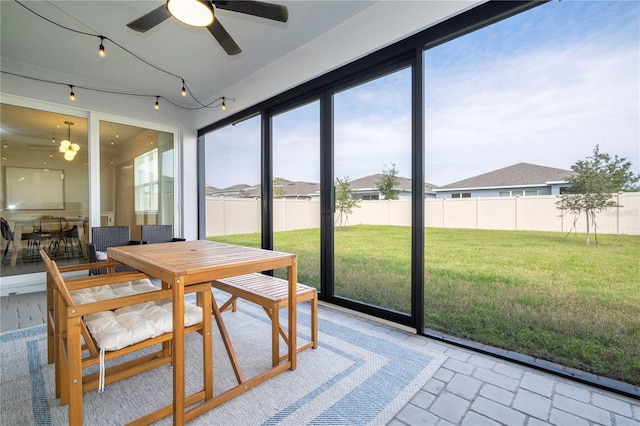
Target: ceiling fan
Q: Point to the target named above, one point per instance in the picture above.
(201, 13)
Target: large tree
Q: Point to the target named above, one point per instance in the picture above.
(388, 183)
(595, 181)
(345, 203)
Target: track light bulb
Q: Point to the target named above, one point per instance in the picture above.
(72, 95)
(224, 105)
(184, 89)
(157, 105)
(101, 51)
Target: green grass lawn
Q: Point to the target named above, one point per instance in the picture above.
(542, 294)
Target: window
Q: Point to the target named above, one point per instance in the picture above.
(232, 181)
(363, 129)
(519, 193)
(514, 92)
(146, 182)
(461, 195)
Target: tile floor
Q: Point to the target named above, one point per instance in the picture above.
(469, 388)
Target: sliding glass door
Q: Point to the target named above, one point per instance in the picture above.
(136, 177)
(232, 183)
(45, 188)
(372, 190)
(296, 188)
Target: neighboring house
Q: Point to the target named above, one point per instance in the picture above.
(239, 190)
(366, 188)
(522, 179)
(299, 190)
(295, 190)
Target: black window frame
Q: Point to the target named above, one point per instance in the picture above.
(407, 52)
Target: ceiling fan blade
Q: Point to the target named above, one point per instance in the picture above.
(260, 9)
(150, 20)
(228, 44)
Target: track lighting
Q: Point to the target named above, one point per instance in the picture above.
(101, 51)
(224, 105)
(72, 95)
(157, 105)
(184, 90)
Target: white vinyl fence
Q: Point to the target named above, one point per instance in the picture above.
(229, 216)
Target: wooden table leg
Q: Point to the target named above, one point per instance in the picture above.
(205, 302)
(178, 351)
(292, 274)
(275, 336)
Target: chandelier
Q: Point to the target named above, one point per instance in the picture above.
(68, 148)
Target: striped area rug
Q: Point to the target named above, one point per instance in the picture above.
(357, 376)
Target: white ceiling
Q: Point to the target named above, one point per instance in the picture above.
(188, 52)
(319, 35)
(34, 47)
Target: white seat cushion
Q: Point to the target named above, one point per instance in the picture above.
(101, 256)
(113, 330)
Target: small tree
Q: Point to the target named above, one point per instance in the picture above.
(278, 188)
(596, 179)
(388, 183)
(344, 200)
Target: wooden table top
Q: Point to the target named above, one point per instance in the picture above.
(198, 261)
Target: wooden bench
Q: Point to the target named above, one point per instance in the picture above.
(272, 294)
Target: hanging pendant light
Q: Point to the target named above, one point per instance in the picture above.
(68, 148)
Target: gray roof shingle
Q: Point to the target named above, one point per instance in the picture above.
(521, 174)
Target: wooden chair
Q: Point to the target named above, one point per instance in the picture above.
(83, 305)
(152, 234)
(272, 294)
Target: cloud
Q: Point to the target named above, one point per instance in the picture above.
(546, 107)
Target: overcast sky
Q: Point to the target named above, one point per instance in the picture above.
(543, 87)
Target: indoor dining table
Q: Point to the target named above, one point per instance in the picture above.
(183, 263)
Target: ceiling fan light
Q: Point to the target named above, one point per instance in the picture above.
(191, 12)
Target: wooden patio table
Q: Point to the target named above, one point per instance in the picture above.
(184, 263)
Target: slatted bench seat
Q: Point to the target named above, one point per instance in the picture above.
(272, 294)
